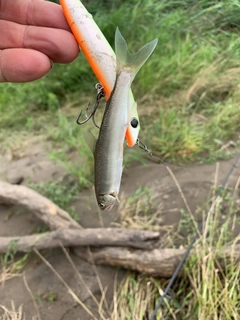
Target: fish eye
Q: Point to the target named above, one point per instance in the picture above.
(134, 123)
(101, 205)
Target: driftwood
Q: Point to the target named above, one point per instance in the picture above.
(122, 247)
(156, 262)
(44, 209)
(84, 237)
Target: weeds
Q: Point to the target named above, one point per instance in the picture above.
(13, 314)
(72, 152)
(188, 94)
(206, 289)
(10, 265)
(60, 193)
(139, 211)
(192, 78)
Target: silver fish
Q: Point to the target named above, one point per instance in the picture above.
(108, 148)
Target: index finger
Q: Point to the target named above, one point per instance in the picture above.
(33, 12)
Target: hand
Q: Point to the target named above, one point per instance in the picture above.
(33, 35)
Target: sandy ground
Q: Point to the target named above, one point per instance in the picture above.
(196, 183)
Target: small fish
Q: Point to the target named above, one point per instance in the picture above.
(100, 57)
(108, 148)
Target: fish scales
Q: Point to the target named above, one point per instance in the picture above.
(108, 148)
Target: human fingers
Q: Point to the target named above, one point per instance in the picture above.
(33, 12)
(22, 65)
(58, 44)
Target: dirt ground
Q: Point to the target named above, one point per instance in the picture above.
(196, 183)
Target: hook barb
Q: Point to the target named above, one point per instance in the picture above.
(87, 117)
(100, 94)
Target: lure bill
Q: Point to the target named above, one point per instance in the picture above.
(100, 56)
(108, 148)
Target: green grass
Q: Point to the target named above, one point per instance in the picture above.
(181, 136)
(11, 265)
(188, 97)
(71, 150)
(188, 89)
(62, 194)
(205, 290)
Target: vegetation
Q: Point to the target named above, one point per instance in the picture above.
(188, 95)
(61, 194)
(204, 290)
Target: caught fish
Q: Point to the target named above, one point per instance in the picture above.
(100, 57)
(108, 148)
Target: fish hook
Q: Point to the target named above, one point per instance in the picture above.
(100, 94)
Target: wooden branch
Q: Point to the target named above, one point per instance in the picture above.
(43, 208)
(154, 262)
(84, 237)
(157, 262)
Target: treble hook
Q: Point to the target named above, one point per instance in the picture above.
(100, 94)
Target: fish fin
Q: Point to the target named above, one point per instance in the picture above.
(91, 140)
(133, 61)
(117, 199)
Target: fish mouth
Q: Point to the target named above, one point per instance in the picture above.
(108, 201)
(114, 196)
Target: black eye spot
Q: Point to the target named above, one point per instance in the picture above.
(134, 123)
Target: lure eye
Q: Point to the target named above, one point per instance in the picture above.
(134, 123)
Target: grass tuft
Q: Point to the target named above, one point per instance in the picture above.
(13, 313)
(205, 290)
(60, 193)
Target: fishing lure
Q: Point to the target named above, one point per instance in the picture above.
(108, 148)
(101, 58)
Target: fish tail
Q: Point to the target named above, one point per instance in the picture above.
(126, 60)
